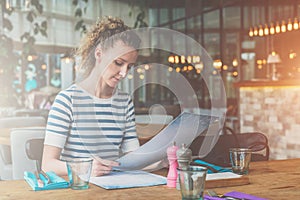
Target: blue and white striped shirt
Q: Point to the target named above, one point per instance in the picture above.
(84, 125)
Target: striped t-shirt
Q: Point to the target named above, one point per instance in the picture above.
(84, 125)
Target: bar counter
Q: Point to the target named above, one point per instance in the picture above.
(272, 107)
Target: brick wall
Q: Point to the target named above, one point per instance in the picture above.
(274, 111)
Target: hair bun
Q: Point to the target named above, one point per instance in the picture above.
(112, 26)
(114, 23)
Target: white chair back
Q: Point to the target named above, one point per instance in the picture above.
(21, 160)
(5, 150)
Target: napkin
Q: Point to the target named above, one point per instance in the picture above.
(235, 194)
(56, 181)
(211, 168)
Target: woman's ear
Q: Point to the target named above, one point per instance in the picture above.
(98, 54)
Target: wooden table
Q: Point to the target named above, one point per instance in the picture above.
(272, 179)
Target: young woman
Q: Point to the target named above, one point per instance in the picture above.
(92, 118)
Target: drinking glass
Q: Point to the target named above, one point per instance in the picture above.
(240, 159)
(192, 182)
(79, 172)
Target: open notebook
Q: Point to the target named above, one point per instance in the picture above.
(128, 179)
(181, 130)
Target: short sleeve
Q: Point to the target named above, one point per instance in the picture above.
(59, 121)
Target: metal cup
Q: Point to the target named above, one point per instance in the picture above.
(240, 159)
(192, 182)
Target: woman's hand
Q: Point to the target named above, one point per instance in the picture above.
(102, 167)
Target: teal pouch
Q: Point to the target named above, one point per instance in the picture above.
(211, 168)
(56, 182)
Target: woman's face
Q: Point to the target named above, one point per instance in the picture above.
(119, 67)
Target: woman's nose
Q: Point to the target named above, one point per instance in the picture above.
(123, 71)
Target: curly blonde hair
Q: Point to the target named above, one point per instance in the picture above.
(101, 33)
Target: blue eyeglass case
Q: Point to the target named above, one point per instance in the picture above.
(211, 167)
(56, 182)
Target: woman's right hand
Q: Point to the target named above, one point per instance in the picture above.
(102, 167)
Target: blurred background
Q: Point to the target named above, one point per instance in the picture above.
(39, 36)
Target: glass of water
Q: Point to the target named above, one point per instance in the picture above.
(79, 172)
(240, 159)
(192, 182)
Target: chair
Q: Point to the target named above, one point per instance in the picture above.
(218, 154)
(26, 150)
(5, 150)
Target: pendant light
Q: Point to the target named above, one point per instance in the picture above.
(272, 29)
(277, 28)
(266, 30)
(261, 31)
(283, 26)
(296, 24)
(290, 25)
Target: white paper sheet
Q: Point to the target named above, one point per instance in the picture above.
(129, 179)
(223, 175)
(183, 129)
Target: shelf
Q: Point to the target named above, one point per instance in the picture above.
(267, 83)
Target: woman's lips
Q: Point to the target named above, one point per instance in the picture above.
(116, 79)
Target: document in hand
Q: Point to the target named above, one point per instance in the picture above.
(128, 179)
(184, 129)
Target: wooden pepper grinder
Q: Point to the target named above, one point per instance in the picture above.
(172, 174)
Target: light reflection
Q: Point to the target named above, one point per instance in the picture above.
(142, 76)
